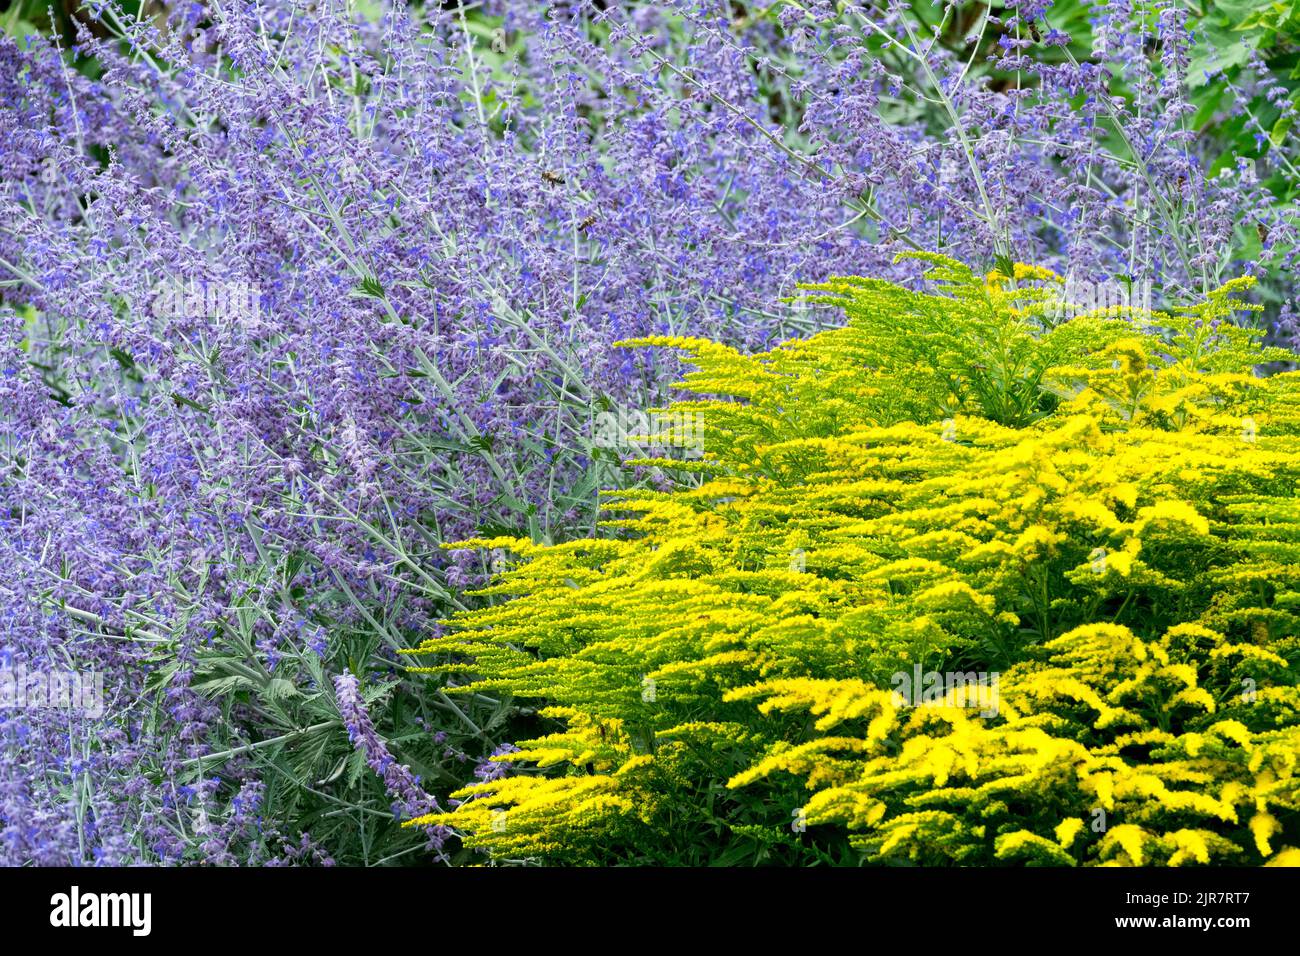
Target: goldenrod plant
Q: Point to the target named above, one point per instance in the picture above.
(977, 578)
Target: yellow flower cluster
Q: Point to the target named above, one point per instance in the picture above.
(1092, 523)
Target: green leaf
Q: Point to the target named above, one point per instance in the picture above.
(1278, 133)
(223, 685)
(356, 767)
(180, 399)
(280, 689)
(370, 287)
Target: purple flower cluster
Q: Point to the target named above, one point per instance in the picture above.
(409, 800)
(290, 297)
(493, 769)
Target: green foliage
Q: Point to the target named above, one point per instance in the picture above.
(1086, 525)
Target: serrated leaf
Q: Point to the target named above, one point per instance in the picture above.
(280, 689)
(223, 685)
(374, 692)
(370, 287)
(356, 767)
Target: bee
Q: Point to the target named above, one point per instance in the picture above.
(1261, 230)
(1033, 32)
(554, 178)
(587, 223)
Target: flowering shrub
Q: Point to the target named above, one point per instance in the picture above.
(1097, 509)
(293, 294)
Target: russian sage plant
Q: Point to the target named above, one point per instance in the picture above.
(292, 295)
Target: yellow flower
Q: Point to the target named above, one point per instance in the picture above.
(1067, 830)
